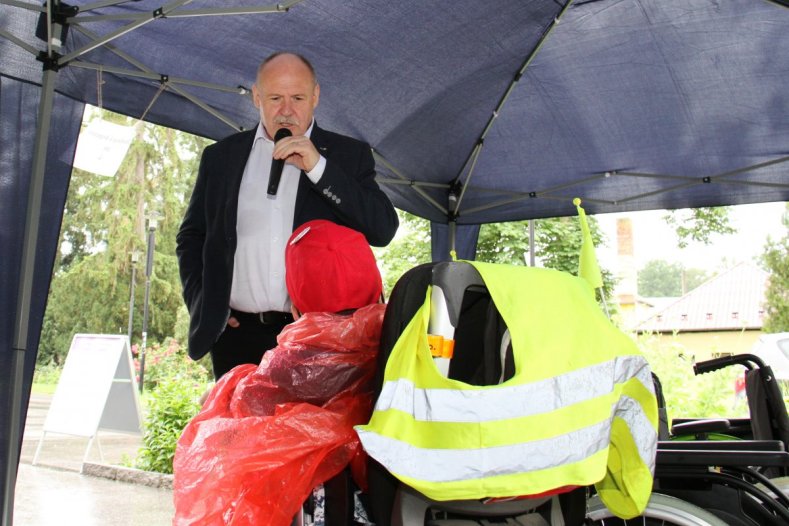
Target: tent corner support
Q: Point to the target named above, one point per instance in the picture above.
(27, 274)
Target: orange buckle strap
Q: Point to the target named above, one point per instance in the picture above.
(440, 347)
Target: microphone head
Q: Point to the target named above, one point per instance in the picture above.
(281, 134)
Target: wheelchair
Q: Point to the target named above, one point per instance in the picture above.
(743, 480)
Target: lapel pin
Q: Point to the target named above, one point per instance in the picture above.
(301, 235)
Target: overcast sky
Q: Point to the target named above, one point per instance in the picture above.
(654, 239)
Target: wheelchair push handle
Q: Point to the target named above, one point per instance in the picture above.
(707, 366)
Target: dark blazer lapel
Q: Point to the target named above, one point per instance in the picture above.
(318, 138)
(236, 157)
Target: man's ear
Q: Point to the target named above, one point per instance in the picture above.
(256, 96)
(316, 93)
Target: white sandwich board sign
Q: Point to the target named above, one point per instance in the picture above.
(97, 390)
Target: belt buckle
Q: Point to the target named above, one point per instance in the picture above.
(271, 317)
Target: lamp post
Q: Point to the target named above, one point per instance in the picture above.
(135, 257)
(153, 219)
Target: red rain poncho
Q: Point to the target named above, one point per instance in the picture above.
(268, 434)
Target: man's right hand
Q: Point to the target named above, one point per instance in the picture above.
(232, 322)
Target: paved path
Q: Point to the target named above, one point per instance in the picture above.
(54, 491)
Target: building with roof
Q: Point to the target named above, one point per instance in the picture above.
(722, 316)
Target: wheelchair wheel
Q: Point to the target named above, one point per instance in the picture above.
(782, 483)
(661, 510)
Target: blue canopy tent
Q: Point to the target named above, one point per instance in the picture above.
(476, 112)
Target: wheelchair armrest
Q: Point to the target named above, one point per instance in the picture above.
(706, 425)
(691, 457)
(722, 445)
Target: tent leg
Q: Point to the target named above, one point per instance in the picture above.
(27, 272)
(452, 236)
(39, 447)
(531, 243)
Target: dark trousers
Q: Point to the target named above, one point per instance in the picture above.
(247, 342)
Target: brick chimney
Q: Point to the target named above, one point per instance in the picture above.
(627, 286)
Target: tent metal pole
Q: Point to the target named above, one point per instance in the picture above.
(524, 197)
(751, 183)
(656, 192)
(150, 17)
(197, 102)
(475, 155)
(24, 5)
(281, 7)
(531, 243)
(19, 42)
(25, 292)
(147, 71)
(98, 5)
(752, 167)
(405, 182)
(156, 76)
(543, 194)
(715, 177)
(471, 160)
(421, 193)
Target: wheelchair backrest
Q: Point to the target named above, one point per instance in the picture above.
(479, 328)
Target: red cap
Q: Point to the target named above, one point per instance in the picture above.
(330, 268)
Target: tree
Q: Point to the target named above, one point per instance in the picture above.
(104, 221)
(776, 259)
(699, 224)
(557, 241)
(661, 279)
(410, 248)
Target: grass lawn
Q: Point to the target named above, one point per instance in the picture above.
(39, 388)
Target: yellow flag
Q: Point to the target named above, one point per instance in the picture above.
(588, 268)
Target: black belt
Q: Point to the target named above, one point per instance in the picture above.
(271, 317)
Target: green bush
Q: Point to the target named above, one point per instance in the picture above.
(708, 395)
(47, 374)
(174, 384)
(171, 404)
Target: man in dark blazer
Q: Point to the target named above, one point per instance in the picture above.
(231, 243)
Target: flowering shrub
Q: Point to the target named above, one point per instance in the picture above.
(174, 383)
(168, 361)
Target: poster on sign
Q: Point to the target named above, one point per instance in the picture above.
(97, 390)
(102, 146)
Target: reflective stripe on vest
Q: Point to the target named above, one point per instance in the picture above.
(595, 421)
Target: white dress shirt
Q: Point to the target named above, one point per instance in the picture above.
(263, 227)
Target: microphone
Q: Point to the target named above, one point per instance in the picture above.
(277, 164)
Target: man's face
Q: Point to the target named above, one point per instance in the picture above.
(286, 95)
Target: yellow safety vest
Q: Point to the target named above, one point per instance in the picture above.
(580, 409)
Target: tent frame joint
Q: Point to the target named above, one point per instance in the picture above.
(50, 63)
(55, 29)
(453, 196)
(60, 14)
